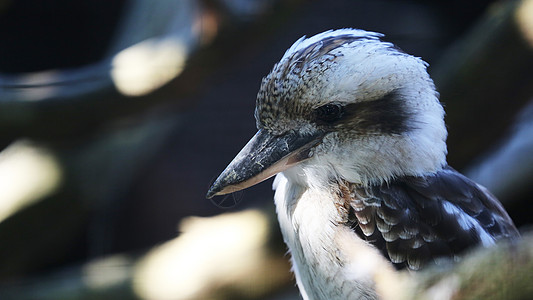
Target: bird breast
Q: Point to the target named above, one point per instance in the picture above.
(329, 260)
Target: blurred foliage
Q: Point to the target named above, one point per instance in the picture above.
(115, 117)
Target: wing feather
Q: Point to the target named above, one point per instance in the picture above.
(419, 220)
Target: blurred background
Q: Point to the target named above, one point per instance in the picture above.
(115, 117)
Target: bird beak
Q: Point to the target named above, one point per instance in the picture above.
(264, 156)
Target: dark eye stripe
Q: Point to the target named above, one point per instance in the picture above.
(386, 115)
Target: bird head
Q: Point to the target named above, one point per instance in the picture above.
(342, 105)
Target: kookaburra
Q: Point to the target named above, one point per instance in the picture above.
(354, 130)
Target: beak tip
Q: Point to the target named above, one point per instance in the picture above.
(213, 191)
(221, 186)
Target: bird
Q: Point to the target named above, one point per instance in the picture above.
(353, 129)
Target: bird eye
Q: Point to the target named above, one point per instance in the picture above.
(329, 113)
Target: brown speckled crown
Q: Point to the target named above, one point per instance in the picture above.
(290, 78)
